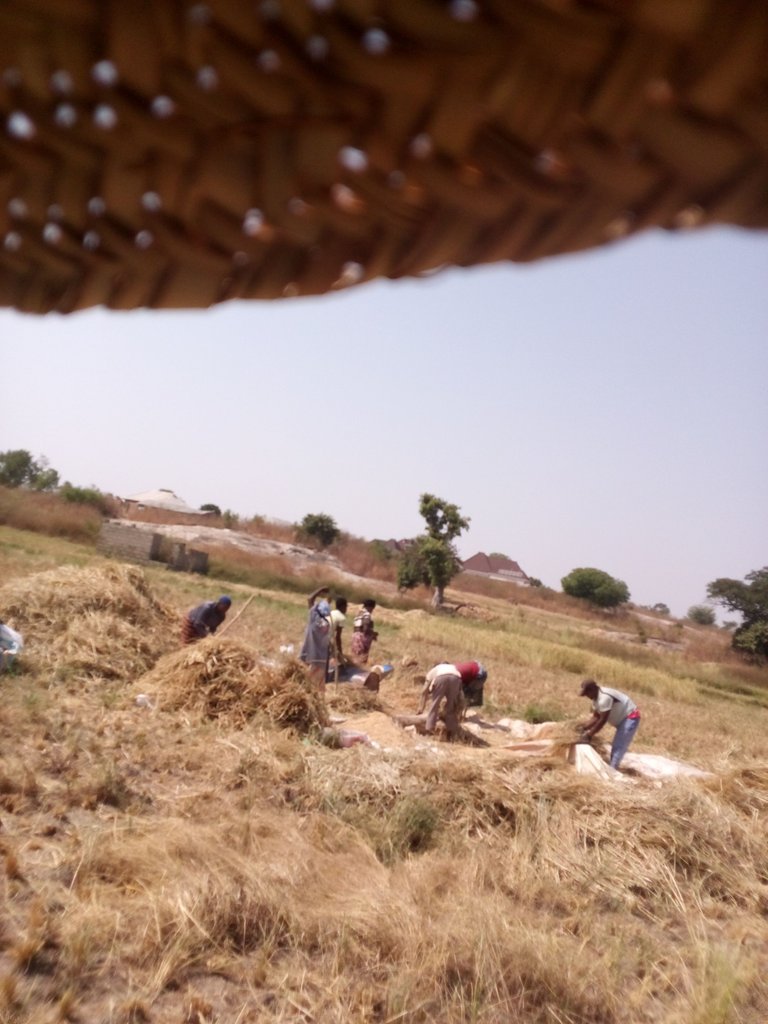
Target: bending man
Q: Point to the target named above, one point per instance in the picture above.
(204, 619)
(617, 709)
(447, 682)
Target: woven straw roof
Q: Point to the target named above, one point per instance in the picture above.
(174, 154)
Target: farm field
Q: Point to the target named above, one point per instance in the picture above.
(199, 857)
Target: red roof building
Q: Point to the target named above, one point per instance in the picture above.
(495, 567)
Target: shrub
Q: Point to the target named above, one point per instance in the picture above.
(595, 586)
(320, 528)
(103, 503)
(702, 615)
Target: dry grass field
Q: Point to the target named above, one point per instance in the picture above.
(199, 857)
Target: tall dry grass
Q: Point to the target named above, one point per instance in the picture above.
(49, 514)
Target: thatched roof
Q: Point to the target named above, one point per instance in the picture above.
(173, 154)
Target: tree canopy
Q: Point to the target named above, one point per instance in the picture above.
(433, 559)
(19, 469)
(750, 599)
(319, 527)
(595, 586)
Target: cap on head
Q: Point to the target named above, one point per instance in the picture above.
(588, 687)
(226, 601)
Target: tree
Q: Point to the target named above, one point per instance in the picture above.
(750, 600)
(595, 586)
(19, 469)
(319, 527)
(433, 559)
(702, 614)
(661, 608)
(210, 507)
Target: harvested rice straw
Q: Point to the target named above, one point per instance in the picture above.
(223, 678)
(90, 622)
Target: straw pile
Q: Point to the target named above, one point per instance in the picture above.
(222, 678)
(95, 622)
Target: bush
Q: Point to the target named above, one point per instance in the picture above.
(320, 528)
(702, 615)
(103, 503)
(595, 586)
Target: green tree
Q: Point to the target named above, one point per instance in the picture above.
(595, 586)
(702, 614)
(433, 559)
(750, 600)
(320, 528)
(661, 608)
(19, 469)
(210, 507)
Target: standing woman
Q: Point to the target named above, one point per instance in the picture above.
(315, 650)
(364, 633)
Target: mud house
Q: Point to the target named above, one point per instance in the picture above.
(495, 567)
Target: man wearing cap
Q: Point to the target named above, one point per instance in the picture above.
(204, 619)
(617, 709)
(449, 682)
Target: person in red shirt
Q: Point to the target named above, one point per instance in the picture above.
(451, 683)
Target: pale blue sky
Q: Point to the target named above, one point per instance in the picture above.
(605, 409)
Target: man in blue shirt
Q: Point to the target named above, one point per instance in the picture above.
(205, 619)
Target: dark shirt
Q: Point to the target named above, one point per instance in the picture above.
(206, 618)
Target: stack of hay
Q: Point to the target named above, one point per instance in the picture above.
(222, 678)
(89, 623)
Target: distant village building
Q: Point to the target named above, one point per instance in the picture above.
(162, 499)
(495, 567)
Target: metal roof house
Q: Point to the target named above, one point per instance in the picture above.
(495, 567)
(163, 499)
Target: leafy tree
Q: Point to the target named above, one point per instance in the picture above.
(319, 527)
(661, 608)
(534, 581)
(499, 554)
(750, 600)
(19, 469)
(702, 614)
(433, 559)
(595, 586)
(210, 507)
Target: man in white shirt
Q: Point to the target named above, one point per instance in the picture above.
(338, 618)
(446, 682)
(618, 710)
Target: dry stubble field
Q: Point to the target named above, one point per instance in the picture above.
(206, 860)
